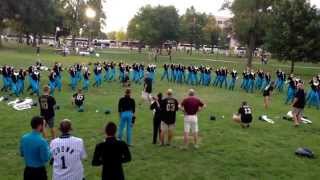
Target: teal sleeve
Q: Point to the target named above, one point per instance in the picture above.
(45, 152)
(21, 148)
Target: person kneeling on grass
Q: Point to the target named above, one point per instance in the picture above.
(244, 116)
(78, 100)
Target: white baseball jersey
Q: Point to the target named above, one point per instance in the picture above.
(67, 153)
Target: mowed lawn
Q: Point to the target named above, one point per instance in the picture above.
(264, 151)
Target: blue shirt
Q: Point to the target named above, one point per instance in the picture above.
(35, 149)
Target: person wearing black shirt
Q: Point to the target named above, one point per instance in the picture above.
(126, 109)
(78, 100)
(147, 88)
(155, 106)
(267, 92)
(244, 115)
(169, 106)
(111, 154)
(298, 104)
(47, 104)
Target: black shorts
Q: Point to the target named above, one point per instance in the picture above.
(246, 120)
(35, 173)
(266, 94)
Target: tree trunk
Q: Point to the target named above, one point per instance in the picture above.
(73, 43)
(250, 50)
(0, 41)
(292, 67)
(34, 43)
(27, 39)
(20, 38)
(40, 39)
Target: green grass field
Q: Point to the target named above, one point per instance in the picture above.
(264, 151)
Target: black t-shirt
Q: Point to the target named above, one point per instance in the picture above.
(169, 107)
(111, 154)
(78, 99)
(47, 106)
(148, 85)
(246, 114)
(126, 103)
(156, 107)
(267, 90)
(301, 96)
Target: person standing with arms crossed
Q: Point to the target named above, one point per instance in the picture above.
(298, 104)
(126, 109)
(35, 151)
(47, 105)
(191, 106)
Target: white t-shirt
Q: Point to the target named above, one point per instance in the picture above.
(67, 153)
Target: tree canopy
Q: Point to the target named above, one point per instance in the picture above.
(294, 32)
(154, 25)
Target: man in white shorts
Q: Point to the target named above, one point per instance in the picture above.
(191, 106)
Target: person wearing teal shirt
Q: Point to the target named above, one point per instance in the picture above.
(35, 151)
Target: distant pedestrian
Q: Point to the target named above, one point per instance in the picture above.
(111, 154)
(35, 151)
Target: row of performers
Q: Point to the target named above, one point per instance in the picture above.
(13, 79)
(202, 75)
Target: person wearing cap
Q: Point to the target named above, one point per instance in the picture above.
(67, 154)
(298, 104)
(169, 106)
(126, 109)
(191, 105)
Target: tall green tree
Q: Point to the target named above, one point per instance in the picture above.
(37, 17)
(212, 32)
(154, 25)
(251, 17)
(73, 15)
(95, 25)
(191, 27)
(8, 12)
(294, 32)
(112, 35)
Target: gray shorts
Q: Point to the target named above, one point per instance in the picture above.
(297, 111)
(50, 122)
(166, 127)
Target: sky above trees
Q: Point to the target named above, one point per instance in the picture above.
(119, 12)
